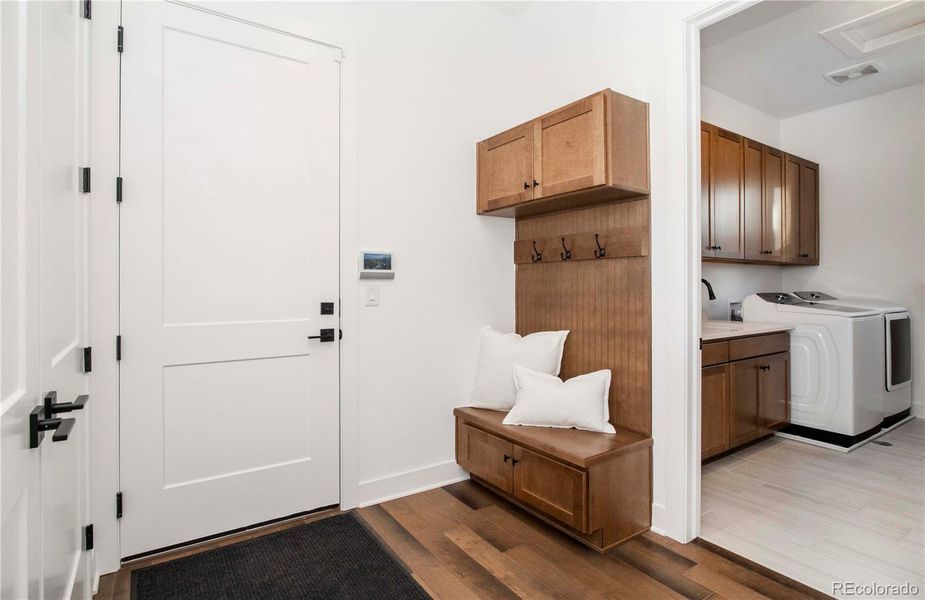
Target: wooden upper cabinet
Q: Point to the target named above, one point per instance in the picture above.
(725, 203)
(591, 151)
(763, 198)
(758, 204)
(772, 207)
(753, 199)
(809, 213)
(505, 169)
(570, 151)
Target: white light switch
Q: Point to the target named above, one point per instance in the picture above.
(372, 295)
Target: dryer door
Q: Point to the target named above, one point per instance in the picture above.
(898, 350)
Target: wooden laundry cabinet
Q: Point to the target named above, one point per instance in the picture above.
(745, 391)
(759, 204)
(590, 151)
(593, 486)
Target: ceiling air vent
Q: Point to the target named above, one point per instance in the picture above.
(853, 73)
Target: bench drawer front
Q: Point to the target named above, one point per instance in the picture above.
(488, 457)
(759, 346)
(551, 487)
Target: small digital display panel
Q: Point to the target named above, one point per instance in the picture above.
(377, 261)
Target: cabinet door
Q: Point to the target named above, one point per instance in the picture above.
(774, 404)
(772, 210)
(714, 410)
(793, 169)
(505, 168)
(706, 201)
(726, 182)
(744, 418)
(753, 199)
(551, 487)
(809, 213)
(570, 150)
(489, 458)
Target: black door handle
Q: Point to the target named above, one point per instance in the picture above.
(38, 426)
(325, 335)
(52, 406)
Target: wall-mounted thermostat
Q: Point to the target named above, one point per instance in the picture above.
(376, 265)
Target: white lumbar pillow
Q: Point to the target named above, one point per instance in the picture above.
(547, 401)
(494, 382)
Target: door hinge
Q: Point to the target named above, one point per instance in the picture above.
(341, 334)
(119, 189)
(87, 10)
(85, 180)
(120, 41)
(88, 359)
(701, 343)
(118, 347)
(118, 505)
(88, 537)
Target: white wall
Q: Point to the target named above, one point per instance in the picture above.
(872, 204)
(732, 282)
(432, 79)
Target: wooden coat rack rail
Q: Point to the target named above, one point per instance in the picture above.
(624, 242)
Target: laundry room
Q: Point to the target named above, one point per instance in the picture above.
(812, 289)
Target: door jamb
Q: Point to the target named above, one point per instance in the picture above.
(691, 95)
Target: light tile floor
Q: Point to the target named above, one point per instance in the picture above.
(821, 516)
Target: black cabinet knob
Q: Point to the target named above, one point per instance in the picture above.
(526, 185)
(535, 183)
(506, 458)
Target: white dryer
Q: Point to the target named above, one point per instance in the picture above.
(897, 346)
(837, 365)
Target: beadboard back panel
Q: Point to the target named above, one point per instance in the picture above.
(605, 304)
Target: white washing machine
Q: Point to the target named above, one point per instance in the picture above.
(837, 365)
(897, 346)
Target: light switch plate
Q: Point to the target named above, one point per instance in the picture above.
(372, 295)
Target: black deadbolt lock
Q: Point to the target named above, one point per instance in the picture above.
(327, 308)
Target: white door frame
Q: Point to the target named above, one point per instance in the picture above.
(691, 50)
(104, 259)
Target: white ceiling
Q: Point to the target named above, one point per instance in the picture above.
(773, 58)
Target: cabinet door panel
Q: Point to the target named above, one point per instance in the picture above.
(775, 391)
(714, 410)
(726, 194)
(809, 213)
(489, 458)
(793, 168)
(744, 421)
(551, 487)
(570, 148)
(706, 239)
(505, 168)
(753, 200)
(772, 215)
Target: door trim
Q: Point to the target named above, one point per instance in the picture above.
(104, 260)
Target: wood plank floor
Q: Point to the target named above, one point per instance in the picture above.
(820, 515)
(461, 542)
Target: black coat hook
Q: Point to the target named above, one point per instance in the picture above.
(601, 250)
(537, 255)
(567, 255)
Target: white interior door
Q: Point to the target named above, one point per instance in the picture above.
(229, 244)
(44, 290)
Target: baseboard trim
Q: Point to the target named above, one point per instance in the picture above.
(390, 487)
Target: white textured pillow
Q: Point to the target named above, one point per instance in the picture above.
(494, 382)
(547, 401)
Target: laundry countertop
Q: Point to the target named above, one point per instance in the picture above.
(711, 331)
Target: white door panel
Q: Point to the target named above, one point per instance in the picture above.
(229, 244)
(43, 225)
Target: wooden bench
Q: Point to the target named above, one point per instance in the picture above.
(595, 487)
